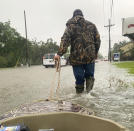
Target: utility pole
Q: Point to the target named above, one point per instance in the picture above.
(27, 63)
(109, 29)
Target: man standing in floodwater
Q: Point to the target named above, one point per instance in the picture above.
(84, 40)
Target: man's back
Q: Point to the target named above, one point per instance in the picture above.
(82, 34)
(84, 39)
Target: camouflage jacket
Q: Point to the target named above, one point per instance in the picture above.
(84, 40)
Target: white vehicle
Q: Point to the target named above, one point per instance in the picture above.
(48, 60)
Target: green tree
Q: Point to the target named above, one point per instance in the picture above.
(117, 48)
(13, 47)
(132, 53)
(3, 62)
(13, 44)
(38, 49)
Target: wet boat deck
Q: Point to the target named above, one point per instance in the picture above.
(46, 106)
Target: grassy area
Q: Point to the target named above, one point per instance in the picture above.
(127, 65)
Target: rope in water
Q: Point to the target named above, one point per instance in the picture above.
(58, 69)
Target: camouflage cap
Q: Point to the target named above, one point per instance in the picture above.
(77, 12)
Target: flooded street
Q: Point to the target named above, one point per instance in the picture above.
(112, 96)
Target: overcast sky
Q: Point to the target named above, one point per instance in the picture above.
(47, 18)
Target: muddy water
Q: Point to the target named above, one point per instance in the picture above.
(112, 96)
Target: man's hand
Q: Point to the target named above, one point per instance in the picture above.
(56, 57)
(57, 62)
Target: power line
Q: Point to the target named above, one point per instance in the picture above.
(110, 16)
(103, 13)
(111, 8)
(109, 30)
(108, 3)
(113, 11)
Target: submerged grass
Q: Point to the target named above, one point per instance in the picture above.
(127, 65)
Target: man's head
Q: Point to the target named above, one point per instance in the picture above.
(77, 12)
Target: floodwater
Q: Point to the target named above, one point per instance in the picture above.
(112, 96)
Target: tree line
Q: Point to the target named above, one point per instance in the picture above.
(124, 55)
(13, 48)
(14, 51)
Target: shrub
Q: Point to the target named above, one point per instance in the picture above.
(3, 62)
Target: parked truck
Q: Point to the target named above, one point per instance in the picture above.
(48, 60)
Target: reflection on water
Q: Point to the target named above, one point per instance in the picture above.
(112, 96)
